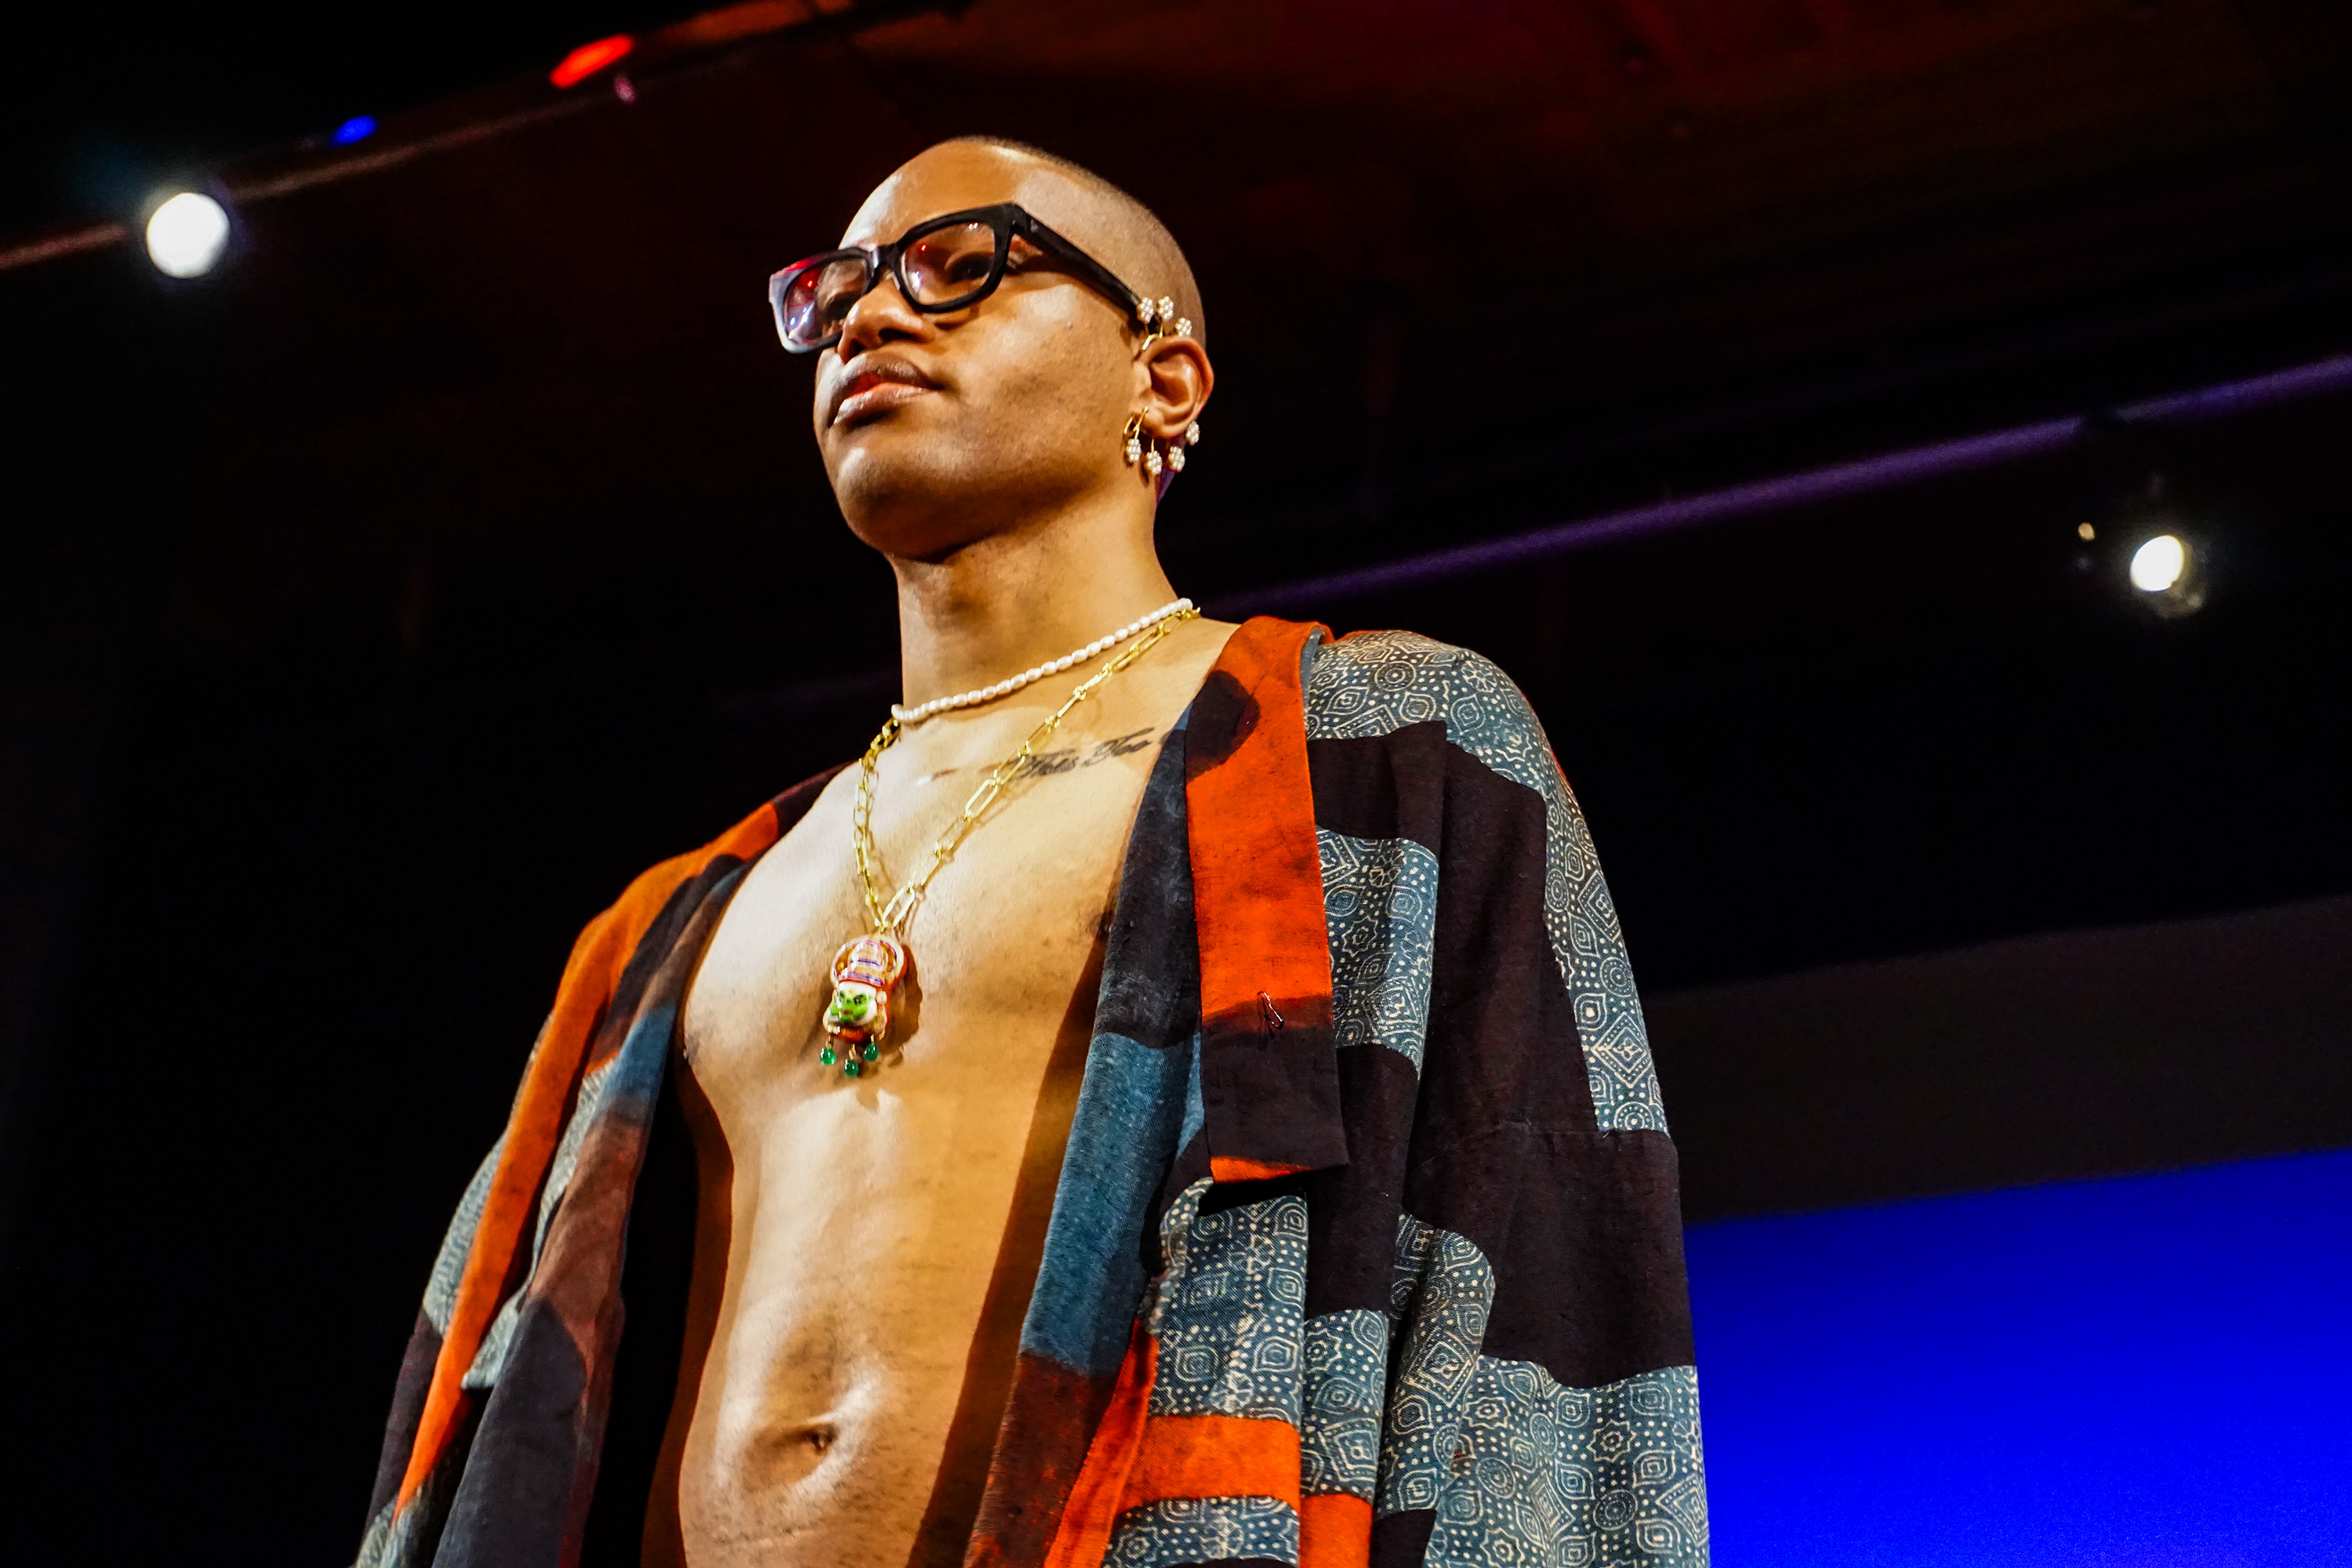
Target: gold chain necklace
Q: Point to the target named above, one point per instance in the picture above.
(867, 969)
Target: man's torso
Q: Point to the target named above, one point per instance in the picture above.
(853, 1230)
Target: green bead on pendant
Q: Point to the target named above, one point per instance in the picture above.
(858, 1012)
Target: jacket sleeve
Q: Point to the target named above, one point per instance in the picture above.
(1542, 1404)
(417, 1363)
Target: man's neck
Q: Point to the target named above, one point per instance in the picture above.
(1016, 599)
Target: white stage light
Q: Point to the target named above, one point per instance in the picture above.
(2157, 564)
(187, 235)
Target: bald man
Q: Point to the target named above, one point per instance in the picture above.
(1179, 1099)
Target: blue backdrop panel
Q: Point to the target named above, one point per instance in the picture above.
(2150, 1372)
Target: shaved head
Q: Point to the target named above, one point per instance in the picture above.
(941, 428)
(1121, 232)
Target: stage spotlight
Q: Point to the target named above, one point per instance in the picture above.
(2157, 564)
(187, 235)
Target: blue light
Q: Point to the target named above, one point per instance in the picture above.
(358, 128)
(2151, 1370)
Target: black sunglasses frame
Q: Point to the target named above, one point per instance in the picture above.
(1009, 220)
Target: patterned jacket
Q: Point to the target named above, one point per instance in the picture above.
(1366, 1247)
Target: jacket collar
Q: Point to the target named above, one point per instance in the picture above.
(1269, 1077)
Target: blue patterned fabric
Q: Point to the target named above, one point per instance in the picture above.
(1433, 1298)
(1198, 1530)
(1377, 683)
(1226, 1311)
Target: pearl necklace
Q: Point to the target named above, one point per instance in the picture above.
(1012, 684)
(867, 969)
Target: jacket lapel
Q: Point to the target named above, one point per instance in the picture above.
(1269, 1078)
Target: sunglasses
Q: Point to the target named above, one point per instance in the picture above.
(941, 264)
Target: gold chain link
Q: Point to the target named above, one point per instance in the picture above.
(888, 917)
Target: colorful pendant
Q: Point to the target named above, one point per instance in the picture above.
(865, 972)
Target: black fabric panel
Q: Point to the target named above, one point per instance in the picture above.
(656, 1275)
(1402, 1540)
(1352, 1211)
(515, 1502)
(1273, 1095)
(1584, 1232)
(1382, 786)
(416, 1381)
(1582, 1228)
(1241, 1195)
(1503, 1046)
(1151, 959)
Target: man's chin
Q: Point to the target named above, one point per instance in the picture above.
(875, 465)
(901, 500)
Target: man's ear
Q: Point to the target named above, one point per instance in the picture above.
(1177, 378)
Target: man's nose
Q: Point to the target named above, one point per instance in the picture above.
(880, 314)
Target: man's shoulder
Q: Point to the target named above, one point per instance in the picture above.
(650, 891)
(1374, 683)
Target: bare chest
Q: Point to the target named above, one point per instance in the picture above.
(867, 1218)
(1002, 930)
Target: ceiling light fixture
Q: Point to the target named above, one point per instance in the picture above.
(187, 234)
(2157, 564)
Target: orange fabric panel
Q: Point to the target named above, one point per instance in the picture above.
(1214, 1456)
(1257, 883)
(537, 1122)
(1224, 1168)
(1096, 1496)
(1335, 1530)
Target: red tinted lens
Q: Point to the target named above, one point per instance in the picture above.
(815, 300)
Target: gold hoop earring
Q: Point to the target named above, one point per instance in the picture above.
(1154, 453)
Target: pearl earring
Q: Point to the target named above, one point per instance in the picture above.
(1152, 452)
(1160, 321)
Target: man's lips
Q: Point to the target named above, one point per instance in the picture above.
(874, 387)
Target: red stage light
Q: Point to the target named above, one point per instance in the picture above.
(589, 59)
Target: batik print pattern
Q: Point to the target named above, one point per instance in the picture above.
(1444, 1287)
(449, 1264)
(1380, 905)
(1517, 1468)
(1226, 1312)
(1375, 683)
(1520, 1398)
(1205, 1529)
(1573, 1476)
(1342, 1395)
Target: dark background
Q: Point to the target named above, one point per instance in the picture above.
(374, 608)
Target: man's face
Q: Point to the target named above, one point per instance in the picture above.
(937, 430)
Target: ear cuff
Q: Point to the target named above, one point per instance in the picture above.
(1160, 320)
